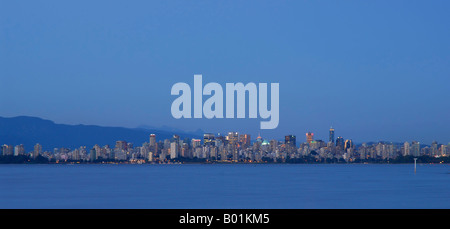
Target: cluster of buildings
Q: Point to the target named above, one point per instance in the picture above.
(235, 147)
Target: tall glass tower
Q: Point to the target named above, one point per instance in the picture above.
(332, 135)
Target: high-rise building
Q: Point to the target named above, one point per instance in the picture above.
(317, 144)
(415, 148)
(273, 145)
(152, 140)
(233, 138)
(173, 150)
(121, 145)
(150, 156)
(244, 140)
(434, 149)
(208, 139)
(37, 150)
(130, 146)
(93, 154)
(406, 149)
(98, 151)
(185, 150)
(19, 150)
(166, 144)
(348, 144)
(195, 143)
(340, 143)
(4, 150)
(290, 140)
(153, 145)
(309, 137)
(331, 135)
(7, 150)
(178, 143)
(443, 150)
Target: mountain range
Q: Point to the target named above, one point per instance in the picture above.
(31, 130)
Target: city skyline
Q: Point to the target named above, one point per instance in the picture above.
(234, 147)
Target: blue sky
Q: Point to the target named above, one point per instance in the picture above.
(374, 70)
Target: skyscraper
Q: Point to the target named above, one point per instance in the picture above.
(37, 150)
(434, 149)
(406, 149)
(93, 154)
(173, 150)
(152, 140)
(290, 140)
(443, 150)
(340, 142)
(415, 148)
(244, 139)
(208, 139)
(195, 143)
(309, 137)
(233, 138)
(121, 145)
(19, 150)
(331, 135)
(348, 144)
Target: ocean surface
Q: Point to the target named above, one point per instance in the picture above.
(224, 186)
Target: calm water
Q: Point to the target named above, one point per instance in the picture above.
(224, 186)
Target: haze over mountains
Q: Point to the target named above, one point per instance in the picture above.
(31, 130)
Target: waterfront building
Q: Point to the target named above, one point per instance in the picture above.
(37, 150)
(7, 150)
(406, 149)
(173, 150)
(19, 150)
(150, 156)
(415, 148)
(93, 154)
(434, 149)
(443, 150)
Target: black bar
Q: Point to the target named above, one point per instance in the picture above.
(213, 218)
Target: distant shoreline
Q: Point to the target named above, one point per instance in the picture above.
(25, 159)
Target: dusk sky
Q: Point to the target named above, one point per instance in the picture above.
(374, 70)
